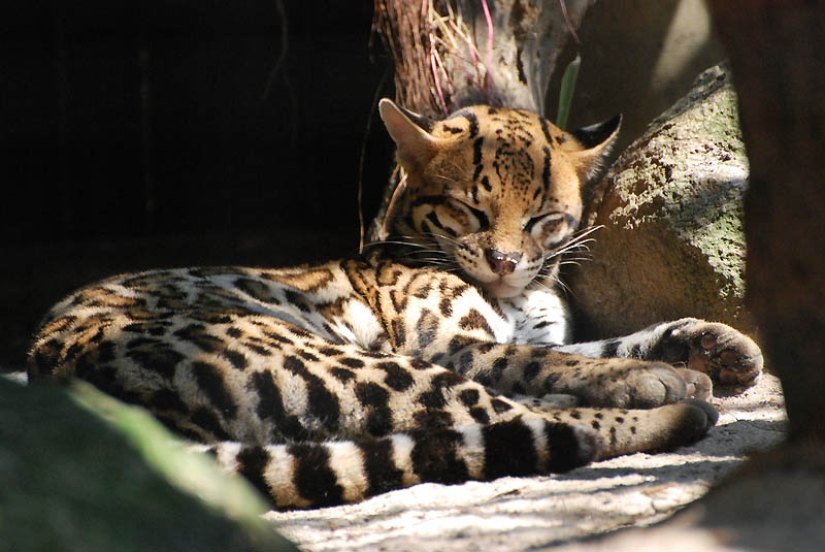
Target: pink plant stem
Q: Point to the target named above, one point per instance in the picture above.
(437, 82)
(489, 20)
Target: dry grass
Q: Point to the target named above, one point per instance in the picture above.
(432, 46)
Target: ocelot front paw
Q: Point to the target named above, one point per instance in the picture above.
(623, 383)
(731, 359)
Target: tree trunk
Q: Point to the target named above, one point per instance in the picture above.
(777, 53)
(453, 53)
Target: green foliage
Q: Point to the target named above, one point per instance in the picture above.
(568, 88)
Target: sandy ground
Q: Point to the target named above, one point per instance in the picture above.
(513, 514)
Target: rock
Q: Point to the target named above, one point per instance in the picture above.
(81, 471)
(673, 243)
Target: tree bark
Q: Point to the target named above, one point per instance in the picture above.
(777, 53)
(453, 53)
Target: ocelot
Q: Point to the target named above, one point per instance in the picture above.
(440, 355)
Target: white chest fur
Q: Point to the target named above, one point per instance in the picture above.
(538, 317)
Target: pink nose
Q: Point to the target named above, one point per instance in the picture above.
(502, 263)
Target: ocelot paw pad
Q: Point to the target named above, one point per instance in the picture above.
(730, 358)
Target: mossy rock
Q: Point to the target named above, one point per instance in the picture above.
(80, 471)
(672, 243)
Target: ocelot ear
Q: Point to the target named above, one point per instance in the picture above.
(591, 145)
(416, 147)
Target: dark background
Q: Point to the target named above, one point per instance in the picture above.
(167, 132)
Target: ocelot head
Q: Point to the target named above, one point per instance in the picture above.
(492, 192)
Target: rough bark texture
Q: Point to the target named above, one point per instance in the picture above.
(777, 52)
(671, 206)
(452, 53)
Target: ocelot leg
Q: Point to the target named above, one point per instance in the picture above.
(539, 371)
(731, 359)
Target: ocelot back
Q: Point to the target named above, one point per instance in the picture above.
(425, 360)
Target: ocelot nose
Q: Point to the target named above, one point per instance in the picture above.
(502, 263)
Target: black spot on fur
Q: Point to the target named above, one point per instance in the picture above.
(257, 290)
(351, 362)
(480, 415)
(257, 349)
(106, 352)
(550, 383)
(382, 475)
(322, 403)
(433, 419)
(375, 400)
(342, 374)
(213, 384)
(509, 450)
(568, 449)
(478, 144)
(154, 355)
(464, 363)
(399, 331)
(103, 377)
(418, 364)
(371, 394)
(314, 477)
(271, 407)
(433, 398)
(474, 320)
(252, 462)
(278, 339)
(167, 400)
(469, 397)
(434, 457)
(531, 370)
(426, 327)
(200, 337)
(611, 348)
(206, 419)
(298, 300)
(236, 359)
(306, 355)
(397, 378)
(445, 306)
(500, 406)
(473, 120)
(460, 342)
(499, 365)
(45, 358)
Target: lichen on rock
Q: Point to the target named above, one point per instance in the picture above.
(672, 242)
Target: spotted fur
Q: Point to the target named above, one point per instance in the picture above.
(424, 360)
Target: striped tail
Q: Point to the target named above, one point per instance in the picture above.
(309, 475)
